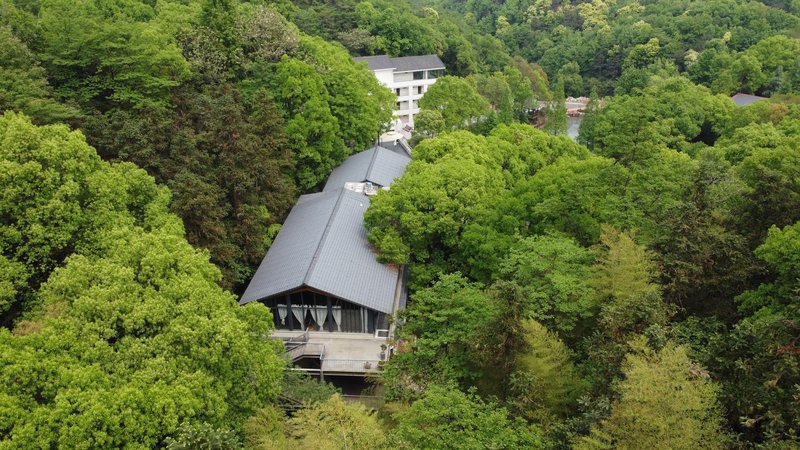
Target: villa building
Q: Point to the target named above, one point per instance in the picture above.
(409, 78)
(330, 298)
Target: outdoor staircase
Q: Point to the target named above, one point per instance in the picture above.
(298, 348)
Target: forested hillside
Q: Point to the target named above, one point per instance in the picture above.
(643, 290)
(228, 105)
(638, 288)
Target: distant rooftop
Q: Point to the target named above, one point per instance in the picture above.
(745, 99)
(323, 246)
(395, 142)
(403, 63)
(377, 165)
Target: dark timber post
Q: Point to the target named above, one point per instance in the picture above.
(330, 313)
(289, 313)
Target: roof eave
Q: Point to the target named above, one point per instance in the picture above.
(421, 68)
(306, 287)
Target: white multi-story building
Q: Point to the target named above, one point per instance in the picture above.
(409, 78)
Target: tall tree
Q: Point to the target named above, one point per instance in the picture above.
(23, 83)
(446, 331)
(553, 271)
(330, 425)
(446, 418)
(758, 360)
(556, 113)
(544, 384)
(665, 402)
(458, 100)
(625, 279)
(132, 334)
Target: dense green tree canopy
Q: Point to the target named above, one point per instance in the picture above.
(605, 293)
(458, 101)
(553, 271)
(130, 334)
(449, 327)
(448, 419)
(228, 103)
(665, 402)
(331, 424)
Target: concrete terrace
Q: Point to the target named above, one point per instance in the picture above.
(338, 353)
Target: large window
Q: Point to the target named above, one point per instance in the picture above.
(318, 312)
(420, 75)
(403, 76)
(433, 74)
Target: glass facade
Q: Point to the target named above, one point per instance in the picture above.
(433, 74)
(312, 311)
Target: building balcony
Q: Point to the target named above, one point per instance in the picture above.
(342, 354)
(410, 97)
(411, 83)
(405, 112)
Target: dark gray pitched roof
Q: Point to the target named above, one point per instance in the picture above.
(323, 245)
(398, 146)
(377, 165)
(379, 62)
(421, 62)
(745, 99)
(403, 63)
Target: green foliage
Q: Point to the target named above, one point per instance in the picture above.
(131, 335)
(771, 176)
(553, 272)
(572, 196)
(521, 91)
(266, 430)
(592, 44)
(23, 83)
(448, 328)
(311, 129)
(59, 198)
(301, 387)
(99, 55)
(361, 105)
(335, 424)
(225, 158)
(238, 106)
(760, 355)
(430, 204)
(624, 280)
(497, 91)
(537, 78)
(665, 402)
(756, 362)
(556, 113)
(198, 94)
(630, 304)
(669, 112)
(544, 385)
(429, 123)
(625, 269)
(536, 148)
(458, 101)
(331, 425)
(203, 436)
(446, 418)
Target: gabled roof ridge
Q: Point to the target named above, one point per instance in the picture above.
(324, 236)
(368, 174)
